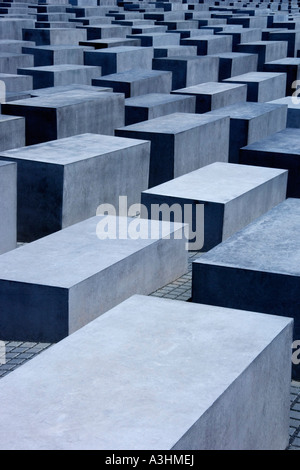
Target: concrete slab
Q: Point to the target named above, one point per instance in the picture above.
(8, 207)
(52, 287)
(241, 35)
(120, 58)
(53, 37)
(233, 196)
(267, 51)
(184, 384)
(290, 66)
(12, 132)
(232, 64)
(56, 55)
(265, 256)
(55, 116)
(293, 113)
(110, 42)
(16, 83)
(181, 143)
(262, 86)
(63, 182)
(210, 44)
(67, 88)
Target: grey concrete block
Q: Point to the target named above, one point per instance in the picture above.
(210, 95)
(67, 88)
(209, 44)
(267, 51)
(50, 117)
(292, 38)
(293, 113)
(54, 37)
(241, 35)
(250, 122)
(290, 66)
(64, 292)
(56, 55)
(63, 182)
(263, 255)
(232, 195)
(236, 63)
(181, 143)
(137, 82)
(249, 21)
(12, 28)
(10, 62)
(262, 86)
(185, 385)
(16, 83)
(58, 75)
(104, 31)
(189, 70)
(281, 150)
(14, 46)
(12, 132)
(8, 206)
(171, 51)
(120, 59)
(157, 39)
(110, 42)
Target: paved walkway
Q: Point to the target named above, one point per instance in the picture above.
(17, 353)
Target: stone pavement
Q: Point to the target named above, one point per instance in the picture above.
(17, 353)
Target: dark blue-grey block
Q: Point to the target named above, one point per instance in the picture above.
(267, 51)
(262, 86)
(290, 66)
(181, 143)
(103, 31)
(211, 44)
(120, 59)
(137, 82)
(16, 83)
(50, 117)
(257, 269)
(293, 113)
(292, 38)
(235, 63)
(56, 55)
(157, 39)
(110, 42)
(67, 88)
(241, 35)
(250, 122)
(172, 51)
(153, 105)
(53, 37)
(189, 70)
(281, 150)
(63, 182)
(8, 207)
(54, 286)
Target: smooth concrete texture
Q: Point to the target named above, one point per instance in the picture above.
(232, 64)
(63, 74)
(290, 66)
(120, 59)
(257, 268)
(157, 39)
(10, 62)
(16, 83)
(233, 196)
(54, 286)
(153, 105)
(266, 51)
(181, 142)
(262, 86)
(12, 131)
(110, 42)
(173, 50)
(56, 55)
(250, 122)
(103, 31)
(241, 35)
(292, 38)
(137, 82)
(12, 28)
(8, 207)
(54, 36)
(66, 88)
(281, 150)
(177, 376)
(293, 113)
(189, 70)
(209, 44)
(63, 182)
(50, 117)
(210, 95)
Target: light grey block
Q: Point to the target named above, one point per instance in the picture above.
(292, 38)
(293, 112)
(232, 64)
(53, 37)
(262, 86)
(52, 287)
(266, 51)
(241, 35)
(11, 28)
(55, 116)
(110, 42)
(12, 132)
(290, 66)
(120, 59)
(10, 62)
(157, 39)
(250, 122)
(210, 95)
(67, 88)
(16, 83)
(62, 182)
(63, 74)
(153, 105)
(185, 385)
(209, 44)
(181, 143)
(104, 31)
(56, 55)
(173, 51)
(233, 196)
(8, 207)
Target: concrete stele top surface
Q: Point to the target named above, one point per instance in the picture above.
(209, 88)
(56, 68)
(72, 149)
(219, 182)
(291, 101)
(143, 390)
(172, 123)
(60, 100)
(152, 99)
(269, 244)
(245, 110)
(254, 77)
(76, 253)
(134, 75)
(287, 61)
(285, 142)
(120, 49)
(4, 117)
(66, 88)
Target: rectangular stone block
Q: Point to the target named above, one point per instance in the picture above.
(184, 384)
(263, 255)
(120, 59)
(293, 112)
(189, 70)
(63, 74)
(267, 51)
(50, 117)
(157, 39)
(262, 86)
(181, 143)
(281, 150)
(249, 21)
(11, 28)
(54, 37)
(232, 195)
(241, 35)
(292, 38)
(56, 55)
(8, 207)
(209, 44)
(232, 64)
(210, 95)
(63, 182)
(16, 83)
(14, 46)
(103, 31)
(137, 82)
(289, 66)
(145, 107)
(10, 62)
(250, 122)
(66, 291)
(12, 131)
(171, 51)
(55, 90)
(110, 42)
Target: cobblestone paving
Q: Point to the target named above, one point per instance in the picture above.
(17, 353)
